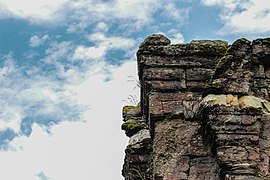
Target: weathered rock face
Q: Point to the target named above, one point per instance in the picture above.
(138, 152)
(204, 113)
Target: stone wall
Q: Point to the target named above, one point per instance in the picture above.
(204, 111)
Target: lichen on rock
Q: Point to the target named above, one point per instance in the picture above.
(244, 102)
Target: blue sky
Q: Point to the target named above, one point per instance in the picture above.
(68, 66)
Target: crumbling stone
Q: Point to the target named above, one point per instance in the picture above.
(204, 111)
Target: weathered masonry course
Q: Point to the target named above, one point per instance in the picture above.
(204, 112)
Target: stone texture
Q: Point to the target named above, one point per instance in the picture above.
(175, 146)
(146, 60)
(132, 126)
(166, 86)
(171, 104)
(138, 152)
(130, 112)
(205, 111)
(164, 74)
(139, 137)
(199, 74)
(203, 168)
(242, 102)
(155, 39)
(261, 51)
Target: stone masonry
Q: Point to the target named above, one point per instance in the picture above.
(204, 112)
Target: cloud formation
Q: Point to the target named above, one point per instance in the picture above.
(36, 41)
(28, 95)
(78, 15)
(69, 145)
(241, 16)
(35, 10)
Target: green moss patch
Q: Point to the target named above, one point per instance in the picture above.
(130, 125)
(128, 108)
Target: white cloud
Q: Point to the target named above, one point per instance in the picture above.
(85, 53)
(228, 4)
(80, 14)
(104, 44)
(101, 27)
(37, 9)
(112, 42)
(126, 8)
(36, 41)
(78, 150)
(60, 56)
(28, 93)
(31, 54)
(78, 142)
(10, 115)
(173, 12)
(58, 50)
(246, 17)
(77, 16)
(73, 62)
(175, 36)
(82, 11)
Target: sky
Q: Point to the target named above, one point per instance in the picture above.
(67, 67)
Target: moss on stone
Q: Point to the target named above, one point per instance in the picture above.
(222, 61)
(220, 68)
(244, 40)
(223, 48)
(228, 50)
(130, 125)
(222, 64)
(128, 108)
(240, 42)
(203, 46)
(131, 112)
(209, 47)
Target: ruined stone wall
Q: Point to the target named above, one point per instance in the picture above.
(204, 111)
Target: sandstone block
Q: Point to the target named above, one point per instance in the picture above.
(182, 62)
(199, 74)
(164, 74)
(165, 86)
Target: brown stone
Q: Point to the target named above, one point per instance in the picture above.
(155, 39)
(205, 111)
(203, 168)
(182, 62)
(267, 72)
(170, 145)
(169, 104)
(166, 86)
(199, 74)
(195, 85)
(164, 74)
